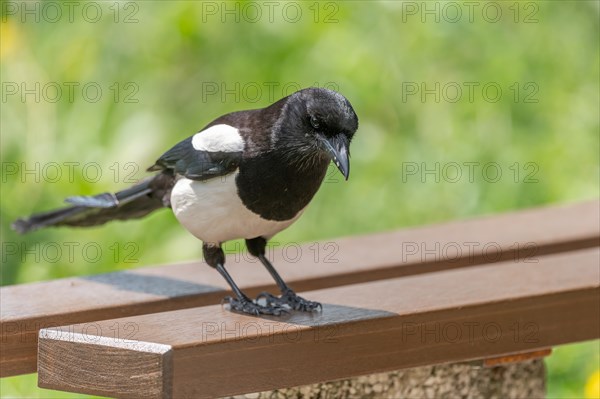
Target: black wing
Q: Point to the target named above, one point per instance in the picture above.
(185, 160)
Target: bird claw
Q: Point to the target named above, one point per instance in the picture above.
(291, 299)
(252, 308)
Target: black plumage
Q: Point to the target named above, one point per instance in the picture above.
(247, 174)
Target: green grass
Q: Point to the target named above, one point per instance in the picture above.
(542, 133)
(570, 368)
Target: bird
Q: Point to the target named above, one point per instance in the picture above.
(246, 175)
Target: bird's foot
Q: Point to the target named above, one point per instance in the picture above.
(247, 306)
(291, 299)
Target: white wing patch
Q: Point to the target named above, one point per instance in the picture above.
(218, 138)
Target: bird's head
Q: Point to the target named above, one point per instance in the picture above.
(319, 123)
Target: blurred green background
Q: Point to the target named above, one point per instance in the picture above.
(94, 92)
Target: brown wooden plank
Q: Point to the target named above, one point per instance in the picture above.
(523, 235)
(516, 357)
(447, 316)
(144, 365)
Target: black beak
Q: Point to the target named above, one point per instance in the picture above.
(337, 147)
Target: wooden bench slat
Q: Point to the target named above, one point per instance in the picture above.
(527, 234)
(446, 316)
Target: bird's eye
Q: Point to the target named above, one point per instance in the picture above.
(314, 122)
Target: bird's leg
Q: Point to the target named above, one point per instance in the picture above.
(256, 247)
(288, 296)
(215, 257)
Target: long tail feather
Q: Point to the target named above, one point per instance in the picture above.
(39, 220)
(134, 202)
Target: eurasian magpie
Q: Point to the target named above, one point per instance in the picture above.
(246, 175)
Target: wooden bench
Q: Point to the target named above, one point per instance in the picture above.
(494, 290)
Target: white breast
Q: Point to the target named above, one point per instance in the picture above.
(213, 212)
